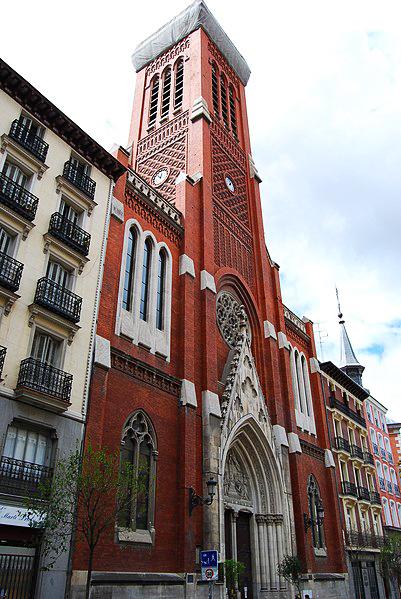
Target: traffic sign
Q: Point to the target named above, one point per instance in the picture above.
(210, 566)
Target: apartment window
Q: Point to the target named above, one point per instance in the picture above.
(146, 266)
(129, 269)
(82, 168)
(59, 274)
(302, 391)
(376, 525)
(315, 504)
(364, 521)
(166, 92)
(154, 100)
(179, 83)
(139, 450)
(7, 242)
(161, 283)
(394, 515)
(69, 212)
(27, 445)
(46, 349)
(387, 514)
(34, 129)
(16, 174)
(399, 512)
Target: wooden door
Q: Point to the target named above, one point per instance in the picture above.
(244, 554)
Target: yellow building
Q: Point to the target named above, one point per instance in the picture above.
(56, 186)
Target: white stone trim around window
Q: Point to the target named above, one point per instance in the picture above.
(128, 322)
(303, 404)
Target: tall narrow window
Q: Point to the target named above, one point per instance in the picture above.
(147, 256)
(179, 83)
(233, 115)
(215, 90)
(129, 270)
(166, 92)
(138, 448)
(154, 99)
(315, 507)
(161, 275)
(223, 96)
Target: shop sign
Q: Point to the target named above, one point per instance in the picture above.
(13, 515)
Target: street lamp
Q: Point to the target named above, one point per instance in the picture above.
(195, 500)
(308, 522)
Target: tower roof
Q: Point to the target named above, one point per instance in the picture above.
(348, 357)
(193, 17)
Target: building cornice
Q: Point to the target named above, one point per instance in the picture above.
(344, 380)
(31, 100)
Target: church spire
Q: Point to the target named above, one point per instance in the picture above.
(348, 360)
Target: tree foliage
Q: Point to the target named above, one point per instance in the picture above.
(390, 557)
(290, 568)
(233, 571)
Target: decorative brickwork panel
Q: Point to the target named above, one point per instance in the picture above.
(173, 157)
(168, 56)
(162, 137)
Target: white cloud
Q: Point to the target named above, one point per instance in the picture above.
(324, 104)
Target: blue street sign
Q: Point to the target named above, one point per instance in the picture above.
(209, 563)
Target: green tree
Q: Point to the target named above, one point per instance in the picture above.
(233, 571)
(390, 560)
(83, 500)
(290, 568)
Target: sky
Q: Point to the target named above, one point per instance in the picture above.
(324, 105)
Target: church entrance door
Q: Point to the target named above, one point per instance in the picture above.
(244, 553)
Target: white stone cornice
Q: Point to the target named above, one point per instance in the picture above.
(210, 404)
(280, 436)
(269, 329)
(102, 352)
(329, 459)
(293, 443)
(200, 110)
(253, 170)
(282, 340)
(186, 266)
(314, 365)
(188, 394)
(207, 281)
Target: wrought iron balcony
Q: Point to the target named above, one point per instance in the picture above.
(345, 409)
(375, 449)
(363, 493)
(45, 379)
(342, 444)
(22, 133)
(67, 231)
(21, 478)
(58, 299)
(356, 538)
(375, 497)
(75, 175)
(368, 458)
(356, 452)
(10, 272)
(348, 488)
(18, 198)
(3, 351)
(382, 483)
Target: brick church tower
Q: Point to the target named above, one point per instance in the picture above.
(201, 373)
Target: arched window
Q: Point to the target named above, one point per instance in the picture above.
(233, 115)
(147, 258)
(215, 90)
(315, 507)
(223, 97)
(387, 514)
(129, 269)
(154, 100)
(161, 285)
(179, 83)
(138, 449)
(166, 92)
(302, 391)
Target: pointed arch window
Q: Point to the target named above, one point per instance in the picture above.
(302, 391)
(179, 83)
(233, 115)
(139, 450)
(215, 90)
(154, 100)
(161, 285)
(146, 265)
(166, 93)
(223, 96)
(315, 506)
(129, 269)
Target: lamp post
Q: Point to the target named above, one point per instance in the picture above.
(195, 500)
(308, 522)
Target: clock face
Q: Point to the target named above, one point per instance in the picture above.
(160, 177)
(230, 184)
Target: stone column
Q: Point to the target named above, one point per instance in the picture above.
(263, 554)
(279, 536)
(234, 517)
(272, 552)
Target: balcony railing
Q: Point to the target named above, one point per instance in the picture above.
(75, 175)
(356, 538)
(10, 272)
(18, 198)
(375, 497)
(375, 449)
(356, 452)
(342, 444)
(363, 493)
(3, 351)
(44, 378)
(368, 458)
(382, 483)
(348, 488)
(67, 231)
(21, 478)
(22, 133)
(58, 299)
(345, 409)
(389, 487)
